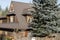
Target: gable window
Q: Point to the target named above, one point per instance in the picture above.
(3, 20)
(11, 18)
(29, 19)
(0, 21)
(27, 15)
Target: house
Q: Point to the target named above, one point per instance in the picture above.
(17, 20)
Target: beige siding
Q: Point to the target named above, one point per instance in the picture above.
(1, 32)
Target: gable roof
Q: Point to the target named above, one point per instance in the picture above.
(18, 10)
(19, 7)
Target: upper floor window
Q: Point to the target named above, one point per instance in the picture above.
(27, 15)
(29, 19)
(0, 21)
(3, 20)
(11, 18)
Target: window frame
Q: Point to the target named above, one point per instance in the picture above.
(29, 19)
(12, 19)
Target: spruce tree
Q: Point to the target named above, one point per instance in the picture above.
(44, 17)
(4, 12)
(0, 8)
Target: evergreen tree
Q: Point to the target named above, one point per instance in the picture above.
(6, 9)
(0, 11)
(4, 12)
(0, 8)
(44, 17)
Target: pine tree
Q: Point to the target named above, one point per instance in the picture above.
(44, 17)
(6, 9)
(4, 12)
(0, 11)
(0, 8)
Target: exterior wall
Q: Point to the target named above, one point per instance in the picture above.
(20, 36)
(28, 19)
(15, 35)
(3, 21)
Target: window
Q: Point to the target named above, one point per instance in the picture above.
(11, 18)
(0, 21)
(29, 19)
(6, 33)
(5, 21)
(1, 32)
(24, 33)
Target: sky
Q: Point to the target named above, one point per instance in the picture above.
(6, 3)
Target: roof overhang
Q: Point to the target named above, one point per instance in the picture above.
(26, 14)
(3, 18)
(12, 27)
(11, 14)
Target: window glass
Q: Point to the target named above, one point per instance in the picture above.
(0, 21)
(29, 19)
(11, 18)
(1, 32)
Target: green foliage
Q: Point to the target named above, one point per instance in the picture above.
(9, 39)
(44, 17)
(4, 12)
(0, 8)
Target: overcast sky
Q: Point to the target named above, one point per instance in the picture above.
(6, 3)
